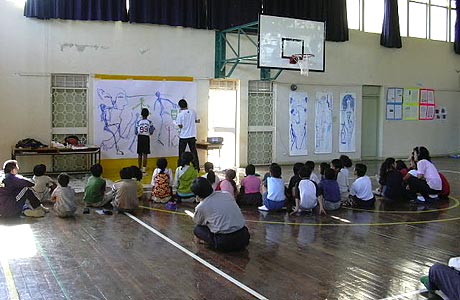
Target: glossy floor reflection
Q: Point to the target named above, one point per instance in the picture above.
(348, 254)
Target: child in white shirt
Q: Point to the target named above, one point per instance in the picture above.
(361, 190)
(63, 197)
(306, 193)
(342, 179)
(44, 185)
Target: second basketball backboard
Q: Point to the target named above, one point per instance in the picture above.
(280, 38)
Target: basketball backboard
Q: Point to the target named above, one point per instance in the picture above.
(280, 38)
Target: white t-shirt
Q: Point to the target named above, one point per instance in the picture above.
(362, 188)
(342, 180)
(187, 118)
(275, 189)
(314, 177)
(428, 170)
(307, 190)
(144, 127)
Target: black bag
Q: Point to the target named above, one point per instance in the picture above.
(30, 143)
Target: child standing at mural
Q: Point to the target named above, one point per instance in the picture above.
(144, 128)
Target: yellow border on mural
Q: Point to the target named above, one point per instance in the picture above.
(331, 224)
(135, 77)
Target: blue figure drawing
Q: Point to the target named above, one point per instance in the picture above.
(323, 124)
(298, 126)
(160, 105)
(348, 122)
(116, 120)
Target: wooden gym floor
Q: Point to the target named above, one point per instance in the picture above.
(348, 254)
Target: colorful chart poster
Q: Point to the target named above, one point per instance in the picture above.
(323, 122)
(427, 105)
(411, 104)
(298, 123)
(394, 103)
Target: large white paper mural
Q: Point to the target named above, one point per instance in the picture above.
(323, 122)
(117, 106)
(298, 123)
(347, 133)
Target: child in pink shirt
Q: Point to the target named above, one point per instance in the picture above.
(228, 184)
(250, 188)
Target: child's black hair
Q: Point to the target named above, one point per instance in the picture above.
(250, 169)
(386, 166)
(323, 166)
(304, 172)
(145, 113)
(360, 169)
(39, 170)
(275, 170)
(337, 163)
(10, 165)
(126, 173)
(330, 174)
(296, 168)
(186, 159)
(96, 170)
(137, 173)
(346, 161)
(162, 163)
(182, 103)
(400, 165)
(230, 175)
(422, 153)
(63, 179)
(209, 168)
(310, 164)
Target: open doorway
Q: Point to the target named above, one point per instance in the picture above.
(222, 121)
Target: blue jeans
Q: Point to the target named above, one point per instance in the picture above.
(273, 205)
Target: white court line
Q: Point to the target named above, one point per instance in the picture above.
(405, 294)
(449, 171)
(199, 259)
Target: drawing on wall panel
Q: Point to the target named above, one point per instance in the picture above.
(119, 104)
(347, 122)
(323, 122)
(298, 123)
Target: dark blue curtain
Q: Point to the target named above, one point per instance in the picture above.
(103, 10)
(332, 12)
(224, 14)
(391, 37)
(457, 28)
(187, 13)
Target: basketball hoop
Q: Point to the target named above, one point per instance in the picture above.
(303, 61)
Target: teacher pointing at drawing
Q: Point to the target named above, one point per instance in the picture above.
(186, 121)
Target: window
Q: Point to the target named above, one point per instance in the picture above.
(428, 19)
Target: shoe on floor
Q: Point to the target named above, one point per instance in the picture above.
(45, 209)
(433, 196)
(377, 192)
(426, 282)
(34, 213)
(420, 199)
(263, 208)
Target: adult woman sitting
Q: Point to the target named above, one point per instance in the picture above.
(427, 181)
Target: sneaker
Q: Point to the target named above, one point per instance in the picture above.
(420, 199)
(377, 192)
(263, 208)
(34, 213)
(45, 209)
(426, 282)
(435, 196)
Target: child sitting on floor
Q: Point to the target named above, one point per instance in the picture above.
(63, 197)
(44, 185)
(95, 188)
(274, 195)
(342, 179)
(361, 195)
(329, 190)
(250, 188)
(290, 191)
(162, 180)
(184, 176)
(137, 177)
(124, 192)
(306, 194)
(311, 165)
(210, 175)
(228, 184)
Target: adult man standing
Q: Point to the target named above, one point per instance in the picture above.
(219, 221)
(186, 121)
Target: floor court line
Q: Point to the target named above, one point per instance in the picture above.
(199, 259)
(402, 296)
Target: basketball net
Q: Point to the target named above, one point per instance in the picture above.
(303, 61)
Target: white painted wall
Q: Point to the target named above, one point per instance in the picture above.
(32, 49)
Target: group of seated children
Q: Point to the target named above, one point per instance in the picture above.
(20, 195)
(420, 182)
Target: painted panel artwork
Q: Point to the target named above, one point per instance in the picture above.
(298, 123)
(117, 107)
(323, 122)
(347, 131)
